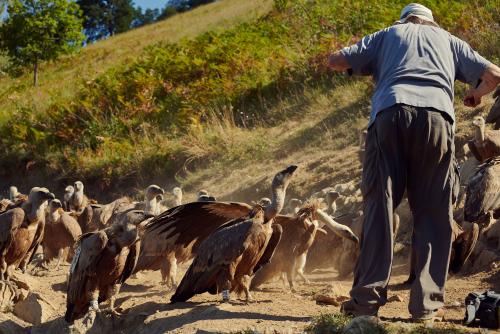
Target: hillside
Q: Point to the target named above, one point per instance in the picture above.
(243, 94)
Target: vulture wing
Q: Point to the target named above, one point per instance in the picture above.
(37, 240)
(70, 226)
(9, 223)
(483, 190)
(189, 224)
(306, 240)
(271, 247)
(131, 261)
(89, 249)
(215, 255)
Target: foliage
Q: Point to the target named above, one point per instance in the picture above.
(147, 16)
(103, 18)
(328, 323)
(40, 30)
(215, 96)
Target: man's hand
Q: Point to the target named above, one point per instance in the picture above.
(489, 81)
(338, 62)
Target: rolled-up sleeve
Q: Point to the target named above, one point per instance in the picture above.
(362, 56)
(469, 64)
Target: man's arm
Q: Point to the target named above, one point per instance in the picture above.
(489, 81)
(338, 62)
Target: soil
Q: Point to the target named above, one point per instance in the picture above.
(146, 308)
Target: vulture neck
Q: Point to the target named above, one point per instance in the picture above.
(150, 206)
(34, 213)
(54, 216)
(79, 197)
(178, 200)
(276, 206)
(479, 135)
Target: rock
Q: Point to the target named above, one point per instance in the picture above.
(395, 298)
(363, 325)
(484, 260)
(34, 309)
(21, 280)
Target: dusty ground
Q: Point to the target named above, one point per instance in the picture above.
(146, 307)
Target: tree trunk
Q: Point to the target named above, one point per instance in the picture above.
(35, 73)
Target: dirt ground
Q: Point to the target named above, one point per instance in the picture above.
(146, 307)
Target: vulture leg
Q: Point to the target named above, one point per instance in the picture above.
(300, 264)
(60, 255)
(93, 306)
(290, 275)
(244, 282)
(169, 272)
(112, 293)
(224, 279)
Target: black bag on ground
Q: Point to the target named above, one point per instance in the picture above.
(482, 309)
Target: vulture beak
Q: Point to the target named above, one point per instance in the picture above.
(290, 169)
(339, 229)
(50, 196)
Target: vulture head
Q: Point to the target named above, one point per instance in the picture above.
(264, 201)
(69, 191)
(78, 186)
(39, 196)
(331, 197)
(152, 191)
(159, 197)
(55, 205)
(283, 178)
(480, 124)
(13, 193)
(202, 192)
(177, 195)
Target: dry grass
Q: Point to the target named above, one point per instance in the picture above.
(59, 81)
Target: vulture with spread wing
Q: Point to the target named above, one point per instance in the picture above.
(103, 261)
(486, 143)
(21, 231)
(61, 233)
(483, 192)
(229, 257)
(298, 236)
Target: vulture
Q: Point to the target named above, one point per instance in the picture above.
(229, 257)
(494, 114)
(103, 261)
(164, 204)
(482, 196)
(203, 196)
(486, 143)
(330, 199)
(293, 206)
(15, 199)
(102, 213)
(162, 207)
(21, 231)
(299, 233)
(78, 201)
(61, 233)
(68, 194)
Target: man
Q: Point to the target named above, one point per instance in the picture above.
(410, 145)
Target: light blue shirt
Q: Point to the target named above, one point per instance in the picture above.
(416, 65)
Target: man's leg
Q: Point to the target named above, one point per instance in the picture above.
(384, 176)
(430, 150)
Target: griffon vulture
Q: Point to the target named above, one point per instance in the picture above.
(483, 192)
(494, 114)
(486, 143)
(103, 261)
(228, 258)
(21, 231)
(61, 233)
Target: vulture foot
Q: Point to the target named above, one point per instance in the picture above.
(8, 293)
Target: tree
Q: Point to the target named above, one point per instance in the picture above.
(40, 30)
(147, 17)
(103, 18)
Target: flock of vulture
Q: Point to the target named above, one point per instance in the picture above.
(234, 247)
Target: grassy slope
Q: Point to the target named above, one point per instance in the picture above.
(319, 133)
(60, 80)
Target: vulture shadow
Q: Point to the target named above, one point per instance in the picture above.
(9, 326)
(135, 288)
(214, 312)
(60, 286)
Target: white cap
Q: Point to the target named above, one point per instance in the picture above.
(418, 10)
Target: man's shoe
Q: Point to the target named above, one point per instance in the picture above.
(436, 316)
(351, 308)
(463, 247)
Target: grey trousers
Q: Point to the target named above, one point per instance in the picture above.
(408, 148)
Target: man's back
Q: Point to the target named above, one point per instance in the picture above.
(415, 64)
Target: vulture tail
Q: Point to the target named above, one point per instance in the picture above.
(196, 283)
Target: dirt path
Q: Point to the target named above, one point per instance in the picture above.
(146, 307)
